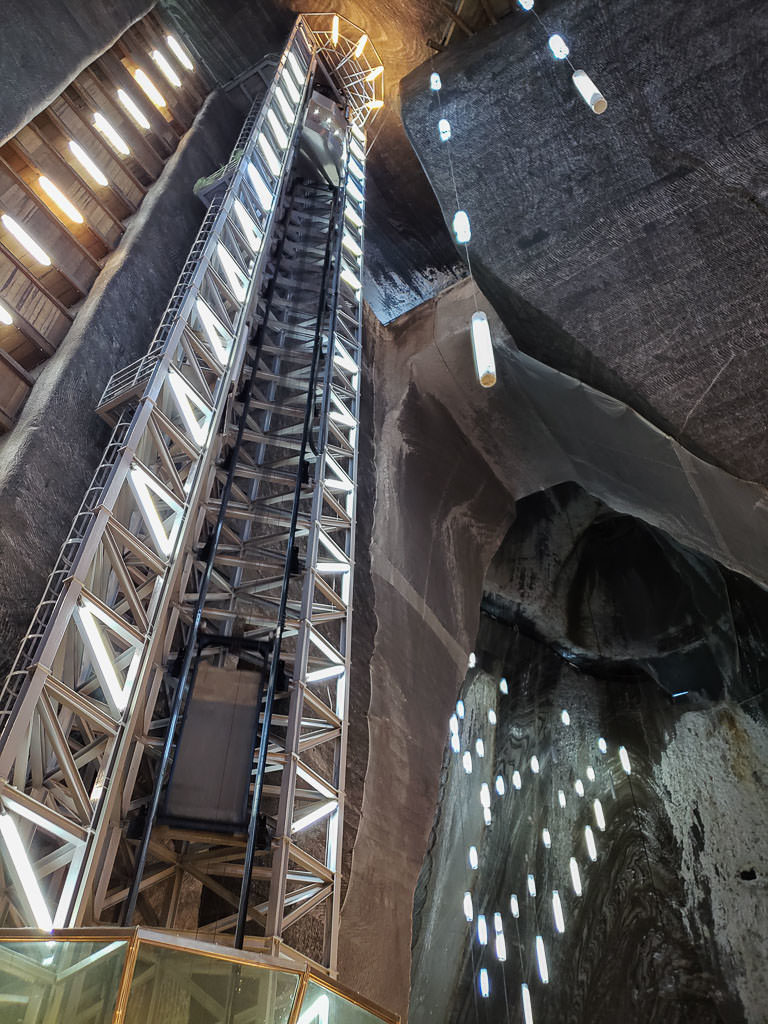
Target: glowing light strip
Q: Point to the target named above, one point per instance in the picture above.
(58, 197)
(166, 68)
(103, 125)
(238, 281)
(21, 236)
(314, 816)
(87, 164)
(149, 87)
(132, 109)
(175, 47)
(25, 872)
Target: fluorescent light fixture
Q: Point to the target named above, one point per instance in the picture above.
(472, 660)
(460, 708)
(58, 197)
(485, 986)
(353, 190)
(561, 797)
(87, 164)
(680, 693)
(434, 82)
(487, 817)
(501, 947)
(375, 104)
(269, 155)
(374, 73)
(602, 746)
(589, 836)
(321, 675)
(579, 787)
(497, 926)
(531, 885)
(148, 86)
(479, 747)
(5, 316)
(216, 333)
(527, 1011)
(285, 108)
(541, 957)
(589, 92)
(565, 718)
(461, 228)
(189, 404)
(176, 49)
(238, 281)
(485, 795)
(315, 815)
(100, 655)
(144, 486)
(455, 743)
(557, 911)
(546, 838)
(106, 129)
(290, 87)
(262, 190)
(132, 109)
(166, 68)
(624, 758)
(590, 773)
(575, 876)
(298, 71)
(514, 905)
(453, 724)
(335, 29)
(351, 245)
(467, 762)
(599, 816)
(360, 46)
(527, 5)
(535, 765)
(277, 129)
(558, 46)
(482, 350)
(503, 687)
(517, 781)
(500, 787)
(246, 222)
(491, 716)
(473, 858)
(444, 129)
(482, 930)
(468, 914)
(24, 872)
(21, 236)
(350, 279)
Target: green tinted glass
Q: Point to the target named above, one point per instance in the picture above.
(175, 987)
(321, 1006)
(42, 982)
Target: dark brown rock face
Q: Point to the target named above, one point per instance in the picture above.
(627, 249)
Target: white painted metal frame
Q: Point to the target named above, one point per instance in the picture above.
(352, 72)
(77, 708)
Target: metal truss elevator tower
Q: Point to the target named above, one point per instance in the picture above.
(174, 728)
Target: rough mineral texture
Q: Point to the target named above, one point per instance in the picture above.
(627, 249)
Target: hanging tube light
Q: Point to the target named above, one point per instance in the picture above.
(589, 92)
(360, 46)
(482, 347)
(335, 29)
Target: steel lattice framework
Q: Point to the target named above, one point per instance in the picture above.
(220, 519)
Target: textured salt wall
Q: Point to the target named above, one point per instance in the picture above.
(629, 249)
(671, 923)
(451, 461)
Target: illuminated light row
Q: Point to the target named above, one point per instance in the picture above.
(270, 158)
(599, 816)
(26, 240)
(252, 235)
(22, 868)
(590, 840)
(526, 997)
(492, 716)
(503, 687)
(473, 858)
(531, 885)
(624, 758)
(482, 930)
(590, 773)
(535, 765)
(179, 53)
(575, 876)
(546, 838)
(467, 906)
(500, 787)
(277, 129)
(557, 911)
(579, 787)
(517, 781)
(561, 797)
(5, 316)
(286, 109)
(479, 747)
(262, 190)
(54, 193)
(467, 762)
(541, 957)
(483, 982)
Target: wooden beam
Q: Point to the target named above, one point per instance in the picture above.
(4, 251)
(16, 368)
(436, 46)
(457, 19)
(31, 333)
(488, 11)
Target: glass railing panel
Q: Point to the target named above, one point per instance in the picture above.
(47, 982)
(322, 1006)
(176, 987)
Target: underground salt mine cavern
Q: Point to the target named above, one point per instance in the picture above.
(383, 512)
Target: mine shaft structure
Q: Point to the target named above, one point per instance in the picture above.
(174, 727)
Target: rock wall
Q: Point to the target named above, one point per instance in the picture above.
(452, 463)
(627, 249)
